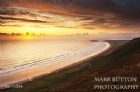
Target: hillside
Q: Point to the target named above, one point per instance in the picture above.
(125, 61)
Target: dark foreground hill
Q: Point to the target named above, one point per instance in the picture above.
(123, 61)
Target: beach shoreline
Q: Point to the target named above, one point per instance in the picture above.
(61, 66)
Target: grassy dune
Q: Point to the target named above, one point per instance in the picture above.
(79, 78)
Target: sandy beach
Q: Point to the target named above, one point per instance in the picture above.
(30, 71)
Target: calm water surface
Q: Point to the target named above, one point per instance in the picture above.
(16, 53)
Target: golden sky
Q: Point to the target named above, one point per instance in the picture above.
(59, 17)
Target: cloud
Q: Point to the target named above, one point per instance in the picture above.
(93, 7)
(22, 19)
(88, 14)
(3, 3)
(13, 16)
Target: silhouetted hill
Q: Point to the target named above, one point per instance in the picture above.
(131, 47)
(124, 61)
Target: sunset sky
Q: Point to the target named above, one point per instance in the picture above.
(64, 17)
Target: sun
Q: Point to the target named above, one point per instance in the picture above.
(28, 37)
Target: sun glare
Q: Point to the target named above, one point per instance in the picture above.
(28, 37)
